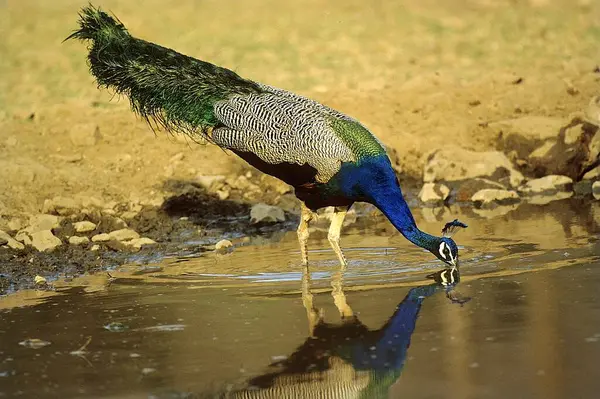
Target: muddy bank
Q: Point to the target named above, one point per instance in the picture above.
(196, 221)
(86, 235)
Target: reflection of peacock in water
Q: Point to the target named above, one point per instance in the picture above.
(329, 158)
(348, 360)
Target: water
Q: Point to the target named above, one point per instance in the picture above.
(524, 321)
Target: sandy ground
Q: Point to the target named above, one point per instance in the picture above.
(421, 74)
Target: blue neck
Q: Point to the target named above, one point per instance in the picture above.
(394, 207)
(374, 180)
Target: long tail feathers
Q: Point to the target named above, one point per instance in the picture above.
(176, 91)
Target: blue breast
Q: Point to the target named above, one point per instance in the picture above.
(366, 179)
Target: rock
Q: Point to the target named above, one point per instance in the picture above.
(243, 184)
(526, 133)
(43, 222)
(252, 195)
(542, 151)
(263, 213)
(39, 280)
(583, 187)
(547, 185)
(224, 246)
(596, 189)
(222, 194)
(76, 240)
(95, 247)
(491, 197)
(104, 237)
(123, 235)
(129, 215)
(137, 208)
(591, 113)
(24, 237)
(85, 134)
(574, 149)
(592, 174)
(119, 245)
(469, 187)
(558, 157)
(16, 224)
(433, 193)
(38, 224)
(45, 241)
(84, 227)
(34, 343)
(452, 163)
(60, 206)
(111, 223)
(289, 203)
(209, 181)
(7, 240)
(275, 184)
(138, 243)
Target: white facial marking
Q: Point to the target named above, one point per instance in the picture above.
(443, 246)
(452, 259)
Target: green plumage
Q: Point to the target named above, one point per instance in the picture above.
(173, 89)
(360, 141)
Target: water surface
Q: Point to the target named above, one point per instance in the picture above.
(524, 321)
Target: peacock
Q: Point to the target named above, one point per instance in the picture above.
(329, 158)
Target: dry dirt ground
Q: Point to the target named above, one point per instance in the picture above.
(421, 74)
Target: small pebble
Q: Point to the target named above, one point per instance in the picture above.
(115, 326)
(76, 240)
(84, 227)
(224, 246)
(34, 343)
(101, 238)
(39, 280)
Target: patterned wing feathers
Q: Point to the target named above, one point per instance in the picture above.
(283, 128)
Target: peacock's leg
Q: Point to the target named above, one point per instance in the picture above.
(337, 220)
(305, 217)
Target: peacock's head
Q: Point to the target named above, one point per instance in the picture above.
(445, 249)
